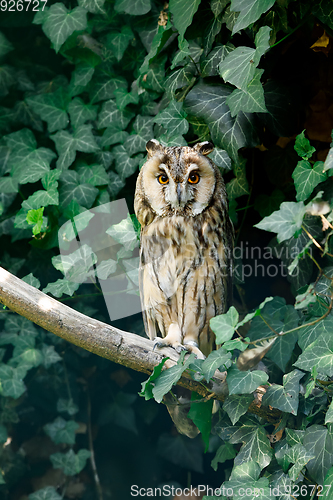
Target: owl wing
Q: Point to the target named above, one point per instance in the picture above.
(150, 324)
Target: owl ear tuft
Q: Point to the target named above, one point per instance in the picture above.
(204, 147)
(153, 147)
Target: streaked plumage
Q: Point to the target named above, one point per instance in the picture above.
(186, 245)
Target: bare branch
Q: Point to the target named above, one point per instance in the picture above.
(124, 348)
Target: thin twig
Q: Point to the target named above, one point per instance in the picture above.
(92, 452)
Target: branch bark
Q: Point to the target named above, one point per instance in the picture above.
(124, 348)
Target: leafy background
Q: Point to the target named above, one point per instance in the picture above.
(82, 89)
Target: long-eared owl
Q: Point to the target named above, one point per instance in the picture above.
(186, 246)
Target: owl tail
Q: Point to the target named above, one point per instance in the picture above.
(178, 410)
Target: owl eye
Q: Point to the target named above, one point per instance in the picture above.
(163, 179)
(194, 178)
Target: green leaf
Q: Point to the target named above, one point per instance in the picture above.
(299, 456)
(318, 354)
(244, 382)
(285, 397)
(110, 115)
(147, 385)
(125, 165)
(201, 415)
(239, 66)
(306, 178)
(103, 87)
(94, 6)
(59, 23)
(318, 440)
(257, 312)
(50, 356)
(224, 325)
(67, 406)
(11, 383)
(61, 431)
(69, 462)
(169, 377)
(36, 217)
(219, 359)
(303, 147)
(237, 405)
(67, 144)
(208, 102)
(48, 493)
(181, 451)
(133, 7)
(143, 125)
(81, 112)
(266, 204)
(123, 98)
(250, 100)
(286, 222)
(209, 66)
(173, 119)
(51, 107)
(183, 12)
(225, 452)
(5, 45)
(221, 158)
(124, 233)
(118, 42)
(249, 11)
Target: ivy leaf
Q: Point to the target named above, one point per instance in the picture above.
(318, 354)
(237, 405)
(285, 397)
(103, 86)
(69, 462)
(306, 178)
(303, 147)
(67, 406)
(118, 42)
(209, 66)
(61, 431)
(286, 222)
(110, 115)
(244, 382)
(318, 440)
(221, 158)
(299, 456)
(170, 377)
(51, 107)
(60, 287)
(50, 356)
(225, 452)
(249, 11)
(209, 103)
(251, 100)
(201, 415)
(147, 385)
(105, 268)
(5, 45)
(59, 23)
(11, 384)
(67, 144)
(124, 233)
(219, 359)
(123, 98)
(94, 6)
(81, 112)
(48, 493)
(183, 12)
(72, 189)
(143, 125)
(173, 119)
(239, 66)
(224, 325)
(125, 165)
(36, 217)
(134, 7)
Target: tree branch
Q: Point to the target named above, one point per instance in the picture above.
(124, 348)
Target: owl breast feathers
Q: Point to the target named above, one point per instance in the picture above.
(186, 246)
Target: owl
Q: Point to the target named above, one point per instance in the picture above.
(186, 246)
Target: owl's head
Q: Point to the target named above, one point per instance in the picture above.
(177, 180)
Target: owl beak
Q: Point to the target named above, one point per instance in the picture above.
(179, 193)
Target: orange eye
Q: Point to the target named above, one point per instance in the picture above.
(163, 179)
(193, 178)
